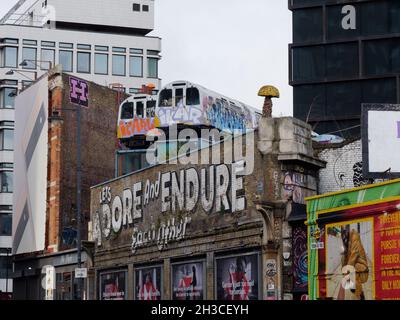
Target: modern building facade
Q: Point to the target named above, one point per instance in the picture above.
(101, 41)
(344, 53)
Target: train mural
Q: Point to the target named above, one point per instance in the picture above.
(184, 104)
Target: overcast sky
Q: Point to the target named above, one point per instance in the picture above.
(229, 46)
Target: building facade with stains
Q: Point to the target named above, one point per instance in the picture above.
(50, 235)
(222, 230)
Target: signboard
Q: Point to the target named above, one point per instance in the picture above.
(361, 252)
(30, 168)
(238, 277)
(148, 284)
(188, 281)
(113, 285)
(380, 138)
(80, 273)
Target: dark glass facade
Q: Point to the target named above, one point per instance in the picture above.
(334, 70)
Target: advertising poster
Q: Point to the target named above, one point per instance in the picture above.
(363, 258)
(188, 282)
(148, 284)
(113, 286)
(238, 278)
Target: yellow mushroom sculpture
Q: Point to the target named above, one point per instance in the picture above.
(268, 92)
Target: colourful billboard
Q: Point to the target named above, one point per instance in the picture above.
(354, 244)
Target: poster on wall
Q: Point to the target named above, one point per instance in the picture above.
(113, 286)
(148, 284)
(188, 281)
(238, 278)
(362, 258)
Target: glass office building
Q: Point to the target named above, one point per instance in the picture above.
(344, 53)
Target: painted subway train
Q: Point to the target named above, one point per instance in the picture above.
(183, 103)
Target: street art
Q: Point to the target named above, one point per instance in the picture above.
(293, 185)
(192, 115)
(216, 189)
(300, 269)
(224, 116)
(137, 126)
(79, 92)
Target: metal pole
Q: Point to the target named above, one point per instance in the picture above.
(78, 196)
(7, 263)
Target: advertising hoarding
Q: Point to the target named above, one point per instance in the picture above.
(148, 284)
(238, 277)
(188, 281)
(381, 138)
(359, 230)
(30, 168)
(113, 285)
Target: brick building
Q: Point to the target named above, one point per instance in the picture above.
(191, 231)
(99, 109)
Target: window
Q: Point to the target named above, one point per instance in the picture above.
(10, 41)
(307, 25)
(83, 62)
(136, 66)
(66, 60)
(145, 8)
(342, 60)
(6, 182)
(151, 109)
(101, 63)
(10, 57)
(136, 7)
(166, 98)
(66, 45)
(48, 55)
(308, 63)
(136, 51)
(179, 97)
(30, 56)
(140, 109)
(101, 48)
(334, 24)
(192, 97)
(118, 65)
(381, 57)
(152, 68)
(119, 50)
(29, 42)
(134, 90)
(84, 47)
(127, 111)
(5, 165)
(153, 52)
(6, 139)
(5, 262)
(8, 97)
(48, 44)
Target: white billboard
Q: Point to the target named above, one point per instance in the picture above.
(381, 141)
(30, 168)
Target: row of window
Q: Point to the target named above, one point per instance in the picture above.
(83, 65)
(308, 24)
(137, 7)
(337, 61)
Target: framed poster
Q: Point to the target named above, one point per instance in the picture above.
(148, 283)
(238, 277)
(188, 281)
(113, 285)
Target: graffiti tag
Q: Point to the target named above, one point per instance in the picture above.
(79, 92)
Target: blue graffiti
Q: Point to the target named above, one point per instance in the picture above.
(221, 116)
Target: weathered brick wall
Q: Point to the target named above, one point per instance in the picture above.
(99, 142)
(343, 169)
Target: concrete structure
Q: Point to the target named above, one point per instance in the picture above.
(344, 53)
(99, 142)
(190, 231)
(100, 41)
